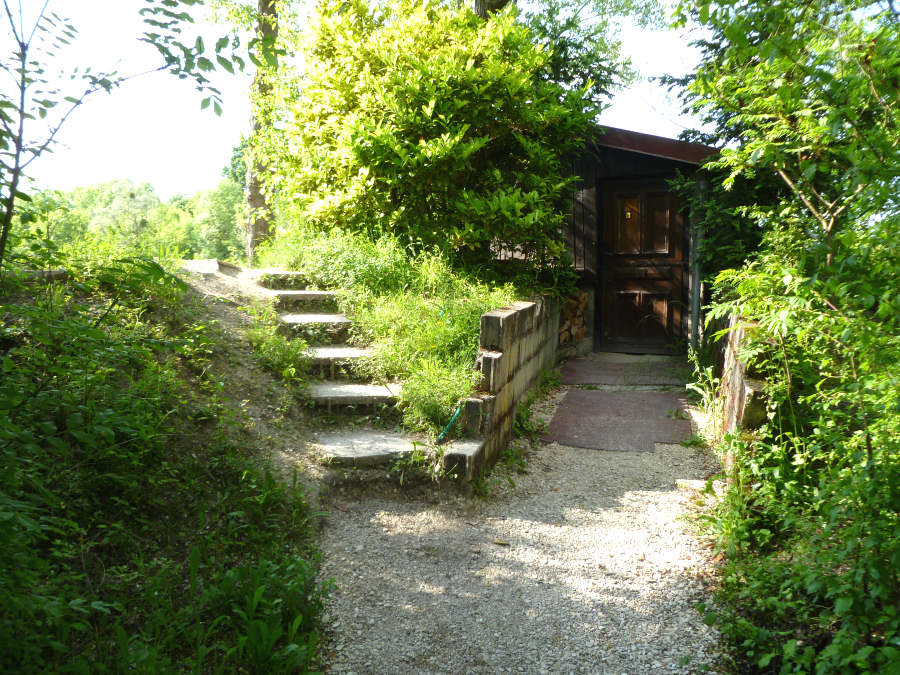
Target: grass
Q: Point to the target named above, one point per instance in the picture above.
(139, 534)
(420, 316)
(284, 357)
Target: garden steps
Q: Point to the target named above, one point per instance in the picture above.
(313, 314)
(362, 448)
(331, 393)
(332, 327)
(330, 360)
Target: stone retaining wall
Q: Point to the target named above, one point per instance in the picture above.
(741, 394)
(517, 343)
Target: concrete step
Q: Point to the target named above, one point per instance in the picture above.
(331, 328)
(362, 448)
(331, 393)
(321, 301)
(331, 360)
(210, 267)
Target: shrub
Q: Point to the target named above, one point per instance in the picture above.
(429, 124)
(812, 519)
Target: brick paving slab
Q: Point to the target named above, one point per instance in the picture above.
(619, 420)
(661, 372)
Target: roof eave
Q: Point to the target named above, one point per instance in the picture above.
(655, 146)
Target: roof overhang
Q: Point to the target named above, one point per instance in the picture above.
(655, 146)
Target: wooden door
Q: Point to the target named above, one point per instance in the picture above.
(642, 258)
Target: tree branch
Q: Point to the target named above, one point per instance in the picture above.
(822, 220)
(37, 22)
(12, 23)
(36, 152)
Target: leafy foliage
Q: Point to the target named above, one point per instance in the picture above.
(811, 521)
(138, 535)
(729, 222)
(429, 124)
(131, 217)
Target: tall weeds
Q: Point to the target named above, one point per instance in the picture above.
(420, 316)
(138, 534)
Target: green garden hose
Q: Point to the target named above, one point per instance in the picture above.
(450, 424)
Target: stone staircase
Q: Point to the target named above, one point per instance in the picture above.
(314, 315)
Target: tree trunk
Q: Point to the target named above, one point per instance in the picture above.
(259, 223)
(483, 7)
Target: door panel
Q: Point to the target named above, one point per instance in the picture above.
(628, 231)
(642, 268)
(656, 229)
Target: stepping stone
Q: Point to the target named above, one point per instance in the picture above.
(362, 448)
(308, 300)
(350, 393)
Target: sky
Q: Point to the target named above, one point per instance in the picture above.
(152, 128)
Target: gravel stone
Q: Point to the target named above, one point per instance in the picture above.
(585, 564)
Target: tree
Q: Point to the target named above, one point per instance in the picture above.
(51, 212)
(119, 211)
(236, 170)
(259, 223)
(582, 40)
(805, 94)
(219, 217)
(38, 100)
(484, 7)
(809, 93)
(428, 123)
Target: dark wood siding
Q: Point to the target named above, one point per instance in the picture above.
(595, 166)
(583, 220)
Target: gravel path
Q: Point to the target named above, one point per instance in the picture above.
(585, 565)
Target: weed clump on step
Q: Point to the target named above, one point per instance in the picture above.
(285, 357)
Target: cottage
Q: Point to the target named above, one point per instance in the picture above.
(633, 245)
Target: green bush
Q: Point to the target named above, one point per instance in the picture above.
(812, 519)
(137, 535)
(429, 124)
(800, 93)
